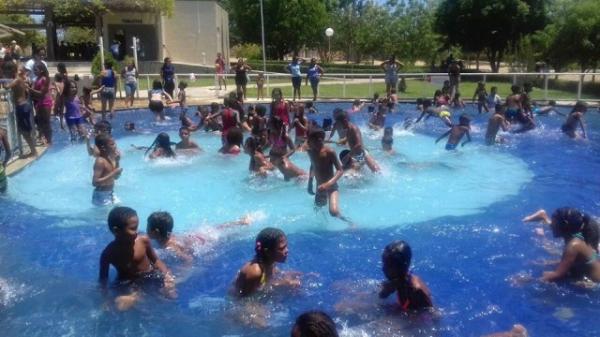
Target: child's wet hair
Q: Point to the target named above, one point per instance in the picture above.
(129, 126)
(118, 216)
(160, 223)
(315, 324)
(552, 103)
(316, 133)
(356, 102)
(261, 110)
(515, 89)
(235, 136)
(163, 141)
(101, 141)
(568, 221)
(339, 114)
(58, 77)
(103, 126)
(397, 254)
(157, 85)
(182, 85)
(276, 91)
(214, 106)
(266, 242)
(464, 119)
(494, 88)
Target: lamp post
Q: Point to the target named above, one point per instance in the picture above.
(262, 31)
(329, 34)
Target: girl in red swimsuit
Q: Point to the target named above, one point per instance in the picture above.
(412, 292)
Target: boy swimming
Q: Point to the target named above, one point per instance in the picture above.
(355, 143)
(160, 229)
(496, 122)
(575, 119)
(133, 258)
(456, 133)
(186, 143)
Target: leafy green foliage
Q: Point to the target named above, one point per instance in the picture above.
(289, 25)
(251, 51)
(97, 63)
(490, 26)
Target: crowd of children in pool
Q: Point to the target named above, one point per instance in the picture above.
(579, 231)
(271, 133)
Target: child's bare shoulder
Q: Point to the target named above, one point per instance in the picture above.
(251, 270)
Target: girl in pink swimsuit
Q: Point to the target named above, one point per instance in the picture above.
(43, 101)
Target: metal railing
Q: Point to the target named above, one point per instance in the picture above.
(546, 86)
(8, 122)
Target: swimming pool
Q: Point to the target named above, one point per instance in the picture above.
(459, 211)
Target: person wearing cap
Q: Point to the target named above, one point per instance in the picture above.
(574, 119)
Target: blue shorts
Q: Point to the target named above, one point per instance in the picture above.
(296, 82)
(73, 121)
(108, 93)
(130, 88)
(103, 198)
(24, 116)
(512, 113)
(451, 147)
(314, 81)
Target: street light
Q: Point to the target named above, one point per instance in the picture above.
(329, 34)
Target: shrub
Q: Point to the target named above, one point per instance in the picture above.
(97, 67)
(250, 51)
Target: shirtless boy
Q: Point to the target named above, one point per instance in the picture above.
(132, 256)
(456, 133)
(496, 122)
(354, 140)
(322, 162)
(574, 119)
(186, 143)
(23, 110)
(106, 170)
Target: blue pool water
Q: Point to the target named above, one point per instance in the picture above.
(460, 212)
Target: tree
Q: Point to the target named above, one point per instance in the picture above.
(489, 26)
(577, 35)
(289, 25)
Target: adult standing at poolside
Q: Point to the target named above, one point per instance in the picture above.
(391, 68)
(107, 96)
(313, 74)
(454, 76)
(294, 69)
(220, 70)
(241, 76)
(130, 75)
(167, 74)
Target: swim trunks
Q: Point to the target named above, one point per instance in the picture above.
(512, 113)
(24, 117)
(321, 197)
(103, 198)
(156, 106)
(451, 147)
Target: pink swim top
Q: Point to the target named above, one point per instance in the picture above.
(46, 101)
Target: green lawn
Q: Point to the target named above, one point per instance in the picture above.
(416, 89)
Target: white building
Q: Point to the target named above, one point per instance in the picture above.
(195, 33)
